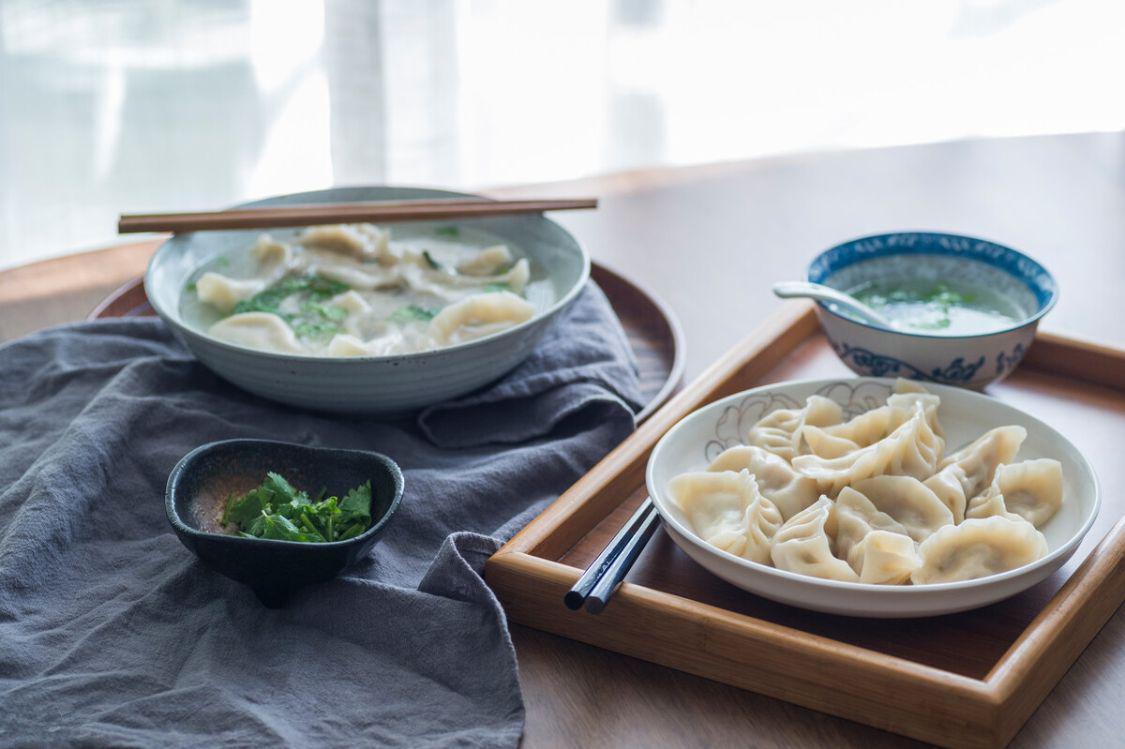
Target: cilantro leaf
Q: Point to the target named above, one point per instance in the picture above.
(430, 261)
(448, 231)
(278, 510)
(412, 313)
(357, 505)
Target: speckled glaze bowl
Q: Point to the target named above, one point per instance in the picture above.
(369, 385)
(971, 361)
(274, 569)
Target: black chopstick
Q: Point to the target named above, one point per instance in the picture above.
(577, 595)
(620, 566)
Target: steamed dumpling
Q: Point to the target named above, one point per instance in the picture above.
(979, 459)
(854, 516)
(948, 485)
(726, 510)
(257, 330)
(913, 449)
(368, 278)
(804, 545)
(1031, 490)
(779, 432)
(977, 548)
(777, 480)
(908, 501)
(876, 424)
(478, 316)
(884, 558)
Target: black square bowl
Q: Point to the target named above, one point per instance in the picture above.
(203, 479)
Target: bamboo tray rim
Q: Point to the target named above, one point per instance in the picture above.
(998, 701)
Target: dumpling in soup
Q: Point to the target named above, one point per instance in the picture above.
(487, 262)
(361, 241)
(258, 330)
(225, 293)
(478, 316)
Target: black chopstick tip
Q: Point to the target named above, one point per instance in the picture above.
(574, 600)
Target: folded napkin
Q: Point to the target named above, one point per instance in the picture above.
(113, 634)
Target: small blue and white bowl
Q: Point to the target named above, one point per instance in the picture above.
(972, 361)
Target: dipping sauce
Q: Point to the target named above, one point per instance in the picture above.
(939, 308)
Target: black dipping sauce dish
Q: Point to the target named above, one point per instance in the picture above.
(203, 479)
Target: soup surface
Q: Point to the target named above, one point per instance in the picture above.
(925, 306)
(352, 290)
(937, 294)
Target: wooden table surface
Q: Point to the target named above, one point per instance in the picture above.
(711, 240)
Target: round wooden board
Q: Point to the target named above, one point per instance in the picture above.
(652, 328)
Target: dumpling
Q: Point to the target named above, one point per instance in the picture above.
(876, 424)
(1031, 490)
(908, 501)
(351, 302)
(487, 262)
(442, 283)
(979, 459)
(726, 510)
(257, 330)
(779, 432)
(804, 545)
(271, 253)
(884, 558)
(480, 315)
(224, 293)
(978, 548)
(912, 449)
(854, 516)
(821, 442)
(949, 486)
(361, 241)
(367, 278)
(777, 480)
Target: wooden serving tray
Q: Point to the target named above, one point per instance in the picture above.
(968, 679)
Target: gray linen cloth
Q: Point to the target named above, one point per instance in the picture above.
(113, 634)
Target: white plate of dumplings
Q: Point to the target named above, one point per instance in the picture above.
(872, 497)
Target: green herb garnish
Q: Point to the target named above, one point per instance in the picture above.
(276, 510)
(448, 231)
(314, 319)
(191, 287)
(494, 287)
(430, 261)
(412, 313)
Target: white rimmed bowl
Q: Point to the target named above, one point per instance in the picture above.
(971, 360)
(369, 385)
(696, 440)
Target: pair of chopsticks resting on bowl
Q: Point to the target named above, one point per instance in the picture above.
(599, 582)
(268, 217)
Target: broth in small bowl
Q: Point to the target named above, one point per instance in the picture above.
(965, 310)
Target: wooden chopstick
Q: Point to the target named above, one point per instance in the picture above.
(605, 563)
(620, 566)
(334, 213)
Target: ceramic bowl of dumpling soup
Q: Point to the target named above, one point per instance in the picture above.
(965, 310)
(872, 497)
(367, 319)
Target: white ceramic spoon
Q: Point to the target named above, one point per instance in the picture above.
(806, 290)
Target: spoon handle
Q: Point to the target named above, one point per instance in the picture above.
(807, 290)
